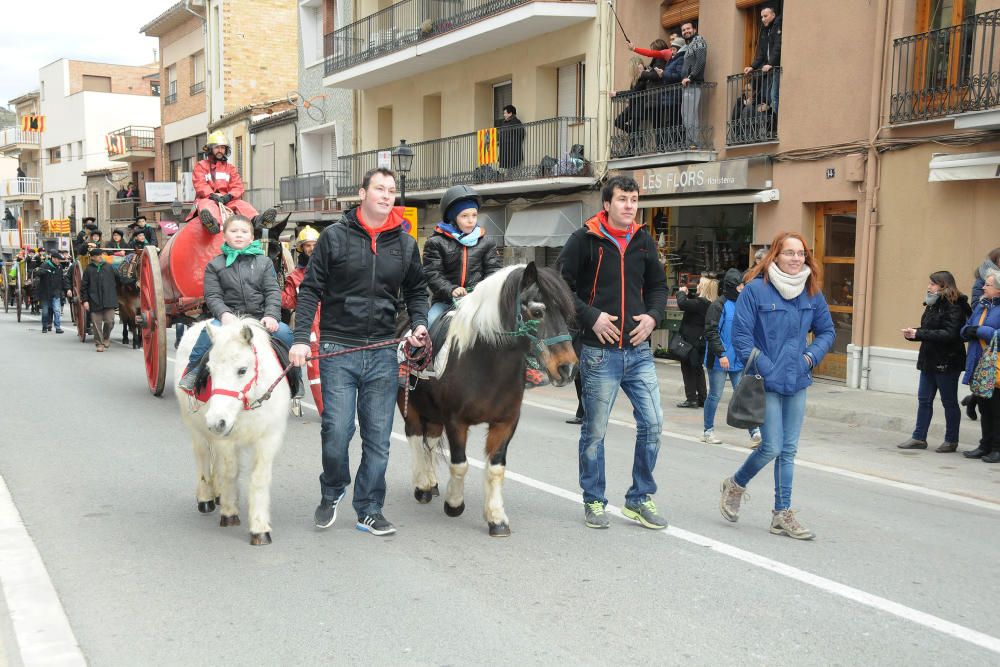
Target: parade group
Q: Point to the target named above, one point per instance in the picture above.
(355, 278)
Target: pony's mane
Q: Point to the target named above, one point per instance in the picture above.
(226, 333)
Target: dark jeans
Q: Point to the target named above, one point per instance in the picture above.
(989, 420)
(930, 384)
(694, 378)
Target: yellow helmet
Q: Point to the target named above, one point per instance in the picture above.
(306, 235)
(217, 138)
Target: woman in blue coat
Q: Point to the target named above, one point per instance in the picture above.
(780, 306)
(982, 326)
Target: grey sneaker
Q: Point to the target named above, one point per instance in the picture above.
(645, 513)
(376, 524)
(732, 496)
(326, 511)
(595, 516)
(785, 523)
(709, 437)
(189, 379)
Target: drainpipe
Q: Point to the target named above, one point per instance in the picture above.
(873, 183)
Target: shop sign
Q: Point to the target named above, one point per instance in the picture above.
(161, 191)
(720, 176)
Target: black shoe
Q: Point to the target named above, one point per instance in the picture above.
(992, 457)
(208, 221)
(688, 404)
(701, 403)
(575, 420)
(326, 511)
(976, 453)
(376, 524)
(60, 331)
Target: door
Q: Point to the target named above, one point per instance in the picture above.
(945, 58)
(836, 233)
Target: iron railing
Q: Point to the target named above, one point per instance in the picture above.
(753, 100)
(555, 147)
(401, 25)
(198, 87)
(261, 198)
(946, 72)
(137, 138)
(120, 210)
(14, 135)
(314, 191)
(15, 188)
(664, 119)
(170, 99)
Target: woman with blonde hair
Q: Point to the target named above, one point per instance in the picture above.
(780, 306)
(693, 331)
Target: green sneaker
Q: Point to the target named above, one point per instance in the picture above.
(595, 516)
(645, 513)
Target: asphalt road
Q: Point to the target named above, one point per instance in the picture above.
(103, 478)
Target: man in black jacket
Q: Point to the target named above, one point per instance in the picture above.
(359, 267)
(768, 56)
(611, 266)
(52, 284)
(99, 294)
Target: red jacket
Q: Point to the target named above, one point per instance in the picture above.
(665, 54)
(216, 177)
(290, 294)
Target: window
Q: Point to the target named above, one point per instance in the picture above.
(79, 150)
(97, 84)
(752, 25)
(569, 91)
(217, 47)
(503, 94)
(171, 85)
(311, 17)
(947, 55)
(154, 88)
(198, 73)
(55, 155)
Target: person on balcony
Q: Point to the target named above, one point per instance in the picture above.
(510, 139)
(660, 53)
(217, 183)
(750, 117)
(673, 74)
(768, 56)
(130, 191)
(695, 58)
(20, 179)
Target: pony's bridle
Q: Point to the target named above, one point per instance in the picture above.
(529, 329)
(241, 395)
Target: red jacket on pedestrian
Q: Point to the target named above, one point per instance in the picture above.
(216, 177)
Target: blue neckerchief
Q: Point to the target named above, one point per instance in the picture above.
(468, 240)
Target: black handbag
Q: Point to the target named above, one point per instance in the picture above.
(679, 348)
(746, 407)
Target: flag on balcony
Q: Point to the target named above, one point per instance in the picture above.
(486, 146)
(33, 123)
(53, 227)
(115, 143)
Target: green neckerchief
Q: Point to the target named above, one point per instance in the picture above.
(232, 253)
(99, 265)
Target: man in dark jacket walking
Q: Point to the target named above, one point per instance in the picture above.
(357, 270)
(768, 57)
(52, 284)
(99, 294)
(620, 292)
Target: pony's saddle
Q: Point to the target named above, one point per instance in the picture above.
(203, 384)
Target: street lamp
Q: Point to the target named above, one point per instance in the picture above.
(402, 161)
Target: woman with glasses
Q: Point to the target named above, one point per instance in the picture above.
(777, 310)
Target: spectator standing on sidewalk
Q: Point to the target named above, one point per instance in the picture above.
(693, 331)
(780, 306)
(979, 330)
(695, 58)
(99, 294)
(720, 356)
(941, 359)
(611, 266)
(768, 57)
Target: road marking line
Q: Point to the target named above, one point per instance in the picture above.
(860, 476)
(830, 586)
(41, 628)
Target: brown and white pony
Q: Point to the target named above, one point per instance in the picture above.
(479, 365)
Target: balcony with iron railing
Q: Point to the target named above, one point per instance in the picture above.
(14, 139)
(261, 198)
(752, 101)
(389, 44)
(669, 119)
(947, 72)
(551, 154)
(123, 210)
(197, 87)
(21, 189)
(314, 191)
(132, 143)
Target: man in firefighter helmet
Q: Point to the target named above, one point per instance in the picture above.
(218, 182)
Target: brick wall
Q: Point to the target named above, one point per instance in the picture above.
(260, 61)
(125, 79)
(187, 104)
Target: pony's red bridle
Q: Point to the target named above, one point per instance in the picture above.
(240, 395)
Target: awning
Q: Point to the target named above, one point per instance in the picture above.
(964, 167)
(762, 197)
(548, 225)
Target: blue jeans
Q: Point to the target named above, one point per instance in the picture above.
(438, 309)
(716, 385)
(202, 345)
(364, 383)
(783, 417)
(52, 309)
(930, 384)
(603, 372)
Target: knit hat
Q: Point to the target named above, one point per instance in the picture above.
(451, 215)
(678, 43)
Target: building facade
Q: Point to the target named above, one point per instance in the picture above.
(21, 194)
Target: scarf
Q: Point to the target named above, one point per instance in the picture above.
(931, 298)
(789, 286)
(232, 253)
(469, 239)
(394, 220)
(621, 237)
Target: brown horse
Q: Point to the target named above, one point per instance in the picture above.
(480, 350)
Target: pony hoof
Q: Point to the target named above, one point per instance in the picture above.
(227, 521)
(435, 491)
(260, 539)
(499, 530)
(423, 496)
(206, 506)
(454, 511)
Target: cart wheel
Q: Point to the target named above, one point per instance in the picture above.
(154, 320)
(20, 292)
(80, 317)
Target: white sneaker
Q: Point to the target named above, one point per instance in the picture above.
(755, 437)
(709, 437)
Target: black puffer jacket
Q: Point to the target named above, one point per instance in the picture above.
(249, 286)
(100, 286)
(941, 347)
(52, 281)
(449, 264)
(693, 323)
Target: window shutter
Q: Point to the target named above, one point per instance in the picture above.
(747, 4)
(677, 12)
(566, 91)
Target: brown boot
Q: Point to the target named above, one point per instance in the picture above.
(913, 443)
(946, 447)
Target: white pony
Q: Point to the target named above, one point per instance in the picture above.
(243, 366)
